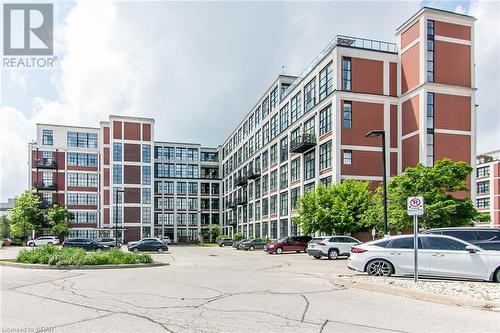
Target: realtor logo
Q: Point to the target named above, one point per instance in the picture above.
(28, 29)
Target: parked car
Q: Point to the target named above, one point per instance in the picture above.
(332, 247)
(438, 256)
(148, 244)
(253, 244)
(108, 241)
(237, 244)
(84, 243)
(165, 239)
(43, 240)
(485, 238)
(225, 242)
(287, 244)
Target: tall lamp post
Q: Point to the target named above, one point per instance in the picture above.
(371, 134)
(116, 215)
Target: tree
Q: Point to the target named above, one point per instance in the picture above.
(58, 220)
(436, 185)
(237, 236)
(212, 231)
(336, 208)
(26, 215)
(4, 227)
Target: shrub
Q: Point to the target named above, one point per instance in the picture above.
(237, 236)
(56, 256)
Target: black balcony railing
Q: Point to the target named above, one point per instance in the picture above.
(241, 201)
(46, 186)
(46, 163)
(253, 174)
(240, 181)
(303, 143)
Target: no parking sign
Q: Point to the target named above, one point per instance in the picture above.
(415, 206)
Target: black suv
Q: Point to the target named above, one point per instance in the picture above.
(224, 242)
(485, 238)
(84, 243)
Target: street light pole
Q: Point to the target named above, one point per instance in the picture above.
(116, 215)
(374, 133)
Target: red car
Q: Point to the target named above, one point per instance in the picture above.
(288, 244)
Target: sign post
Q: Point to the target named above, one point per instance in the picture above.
(415, 208)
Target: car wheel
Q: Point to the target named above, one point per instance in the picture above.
(379, 267)
(251, 248)
(223, 245)
(32, 244)
(333, 254)
(136, 250)
(496, 278)
(160, 250)
(317, 257)
(98, 250)
(279, 250)
(50, 243)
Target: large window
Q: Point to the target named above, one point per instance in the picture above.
(346, 74)
(82, 140)
(295, 107)
(284, 118)
(483, 172)
(146, 175)
(295, 169)
(309, 126)
(117, 174)
(294, 197)
(117, 151)
(284, 204)
(47, 137)
(265, 183)
(347, 157)
(146, 153)
(310, 95)
(483, 187)
(274, 154)
(265, 133)
(326, 81)
(265, 108)
(274, 179)
(82, 159)
(274, 98)
(274, 126)
(325, 155)
(80, 179)
(284, 149)
(309, 166)
(347, 114)
(146, 195)
(273, 204)
(430, 129)
(82, 199)
(325, 120)
(181, 154)
(483, 203)
(284, 176)
(430, 51)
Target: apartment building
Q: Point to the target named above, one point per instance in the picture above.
(115, 179)
(488, 185)
(304, 130)
(312, 128)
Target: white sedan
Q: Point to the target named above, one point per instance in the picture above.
(43, 240)
(438, 256)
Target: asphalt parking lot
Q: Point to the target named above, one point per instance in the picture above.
(218, 290)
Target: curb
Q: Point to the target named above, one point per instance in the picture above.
(417, 294)
(87, 267)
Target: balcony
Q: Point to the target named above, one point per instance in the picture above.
(231, 204)
(44, 186)
(303, 143)
(241, 201)
(253, 174)
(46, 164)
(240, 181)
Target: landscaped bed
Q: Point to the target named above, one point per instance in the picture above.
(57, 256)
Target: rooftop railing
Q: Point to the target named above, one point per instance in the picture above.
(344, 41)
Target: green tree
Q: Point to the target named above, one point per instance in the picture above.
(336, 208)
(58, 220)
(26, 215)
(436, 185)
(211, 231)
(4, 227)
(237, 236)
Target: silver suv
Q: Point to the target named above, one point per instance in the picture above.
(331, 246)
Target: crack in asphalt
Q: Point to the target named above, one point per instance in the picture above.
(305, 310)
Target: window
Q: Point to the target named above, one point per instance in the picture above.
(310, 95)
(146, 195)
(274, 98)
(47, 198)
(47, 137)
(265, 133)
(347, 157)
(82, 140)
(265, 183)
(146, 215)
(295, 169)
(325, 120)
(327, 181)
(309, 165)
(295, 107)
(274, 180)
(283, 228)
(274, 154)
(284, 204)
(257, 210)
(146, 153)
(273, 205)
(284, 118)
(274, 126)
(82, 199)
(47, 178)
(265, 207)
(326, 81)
(347, 114)
(257, 116)
(146, 175)
(82, 179)
(117, 151)
(181, 154)
(466, 235)
(82, 159)
(274, 229)
(265, 159)
(430, 51)
(284, 176)
(181, 188)
(117, 174)
(483, 172)
(294, 197)
(346, 74)
(483, 187)
(182, 203)
(265, 108)
(284, 149)
(438, 243)
(309, 126)
(401, 243)
(193, 188)
(430, 110)
(192, 171)
(430, 147)
(325, 155)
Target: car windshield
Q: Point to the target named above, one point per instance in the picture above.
(281, 240)
(316, 240)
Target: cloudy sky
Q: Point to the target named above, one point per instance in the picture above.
(198, 67)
